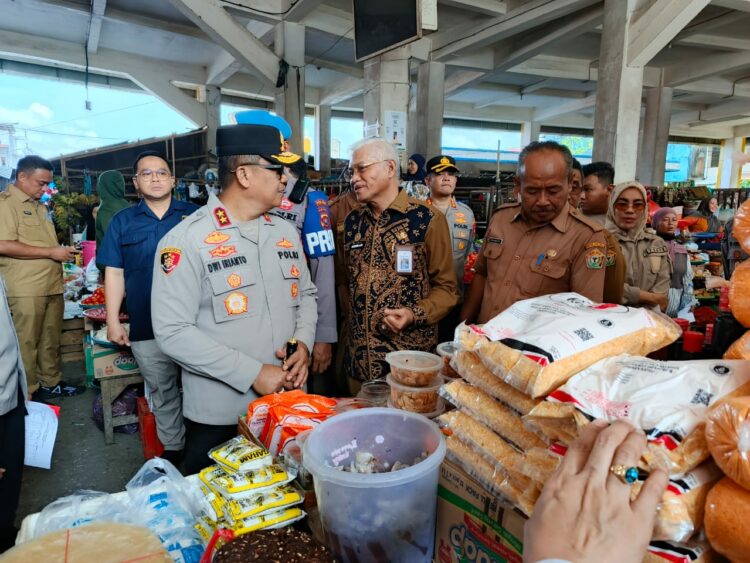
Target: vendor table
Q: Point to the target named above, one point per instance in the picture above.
(112, 386)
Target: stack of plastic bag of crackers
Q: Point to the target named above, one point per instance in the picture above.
(247, 491)
(533, 376)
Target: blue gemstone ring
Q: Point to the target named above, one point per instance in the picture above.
(627, 475)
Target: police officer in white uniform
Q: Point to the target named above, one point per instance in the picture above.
(231, 287)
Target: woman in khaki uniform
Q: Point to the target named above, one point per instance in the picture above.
(649, 270)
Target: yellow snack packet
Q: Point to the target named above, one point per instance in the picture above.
(241, 485)
(269, 520)
(277, 498)
(240, 455)
(213, 504)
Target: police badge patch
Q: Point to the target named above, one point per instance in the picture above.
(169, 257)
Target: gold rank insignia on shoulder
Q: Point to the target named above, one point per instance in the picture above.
(221, 217)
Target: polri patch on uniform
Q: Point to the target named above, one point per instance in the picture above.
(223, 251)
(221, 217)
(236, 303)
(495, 240)
(284, 243)
(215, 237)
(169, 257)
(595, 259)
(295, 290)
(234, 280)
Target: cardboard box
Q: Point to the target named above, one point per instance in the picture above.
(472, 525)
(113, 361)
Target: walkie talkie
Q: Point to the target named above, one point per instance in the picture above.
(299, 190)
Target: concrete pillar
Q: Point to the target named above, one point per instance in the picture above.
(653, 158)
(290, 99)
(323, 139)
(618, 95)
(213, 115)
(729, 176)
(530, 131)
(387, 91)
(430, 107)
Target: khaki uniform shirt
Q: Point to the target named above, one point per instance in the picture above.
(225, 297)
(520, 262)
(25, 220)
(372, 255)
(614, 278)
(462, 227)
(648, 265)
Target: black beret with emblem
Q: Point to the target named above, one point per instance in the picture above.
(245, 139)
(440, 163)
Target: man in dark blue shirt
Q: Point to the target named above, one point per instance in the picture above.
(128, 254)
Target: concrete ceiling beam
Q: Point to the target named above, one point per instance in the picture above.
(698, 69)
(95, 25)
(657, 26)
(486, 7)
(211, 17)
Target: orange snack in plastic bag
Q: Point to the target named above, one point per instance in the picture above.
(739, 293)
(726, 520)
(740, 349)
(741, 230)
(728, 438)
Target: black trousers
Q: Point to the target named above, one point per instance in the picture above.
(199, 438)
(12, 441)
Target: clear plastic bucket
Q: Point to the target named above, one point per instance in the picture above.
(377, 517)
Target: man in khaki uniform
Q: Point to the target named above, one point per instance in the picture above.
(30, 257)
(230, 288)
(540, 245)
(396, 258)
(616, 270)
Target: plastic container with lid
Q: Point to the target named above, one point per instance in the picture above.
(377, 517)
(412, 368)
(441, 407)
(447, 350)
(415, 399)
(375, 391)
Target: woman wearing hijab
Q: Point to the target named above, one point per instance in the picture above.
(415, 169)
(111, 189)
(649, 271)
(681, 297)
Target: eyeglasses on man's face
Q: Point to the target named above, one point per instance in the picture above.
(358, 169)
(160, 174)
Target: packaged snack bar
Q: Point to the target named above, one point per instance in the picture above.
(241, 485)
(471, 368)
(728, 438)
(269, 520)
(285, 422)
(680, 512)
(540, 463)
(506, 422)
(488, 444)
(673, 552)
(240, 455)
(537, 344)
(275, 499)
(475, 465)
(669, 401)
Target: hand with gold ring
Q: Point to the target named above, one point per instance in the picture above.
(584, 513)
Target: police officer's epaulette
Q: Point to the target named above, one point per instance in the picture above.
(594, 225)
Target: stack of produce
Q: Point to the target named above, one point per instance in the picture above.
(415, 381)
(246, 491)
(514, 360)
